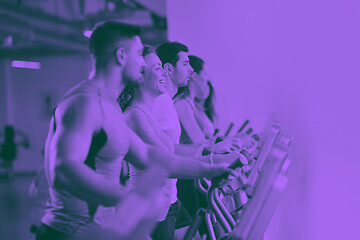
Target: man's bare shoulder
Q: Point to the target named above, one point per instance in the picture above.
(79, 110)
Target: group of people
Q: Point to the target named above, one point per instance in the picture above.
(149, 107)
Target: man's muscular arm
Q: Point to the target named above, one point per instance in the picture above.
(77, 120)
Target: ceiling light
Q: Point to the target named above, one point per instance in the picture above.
(87, 33)
(25, 64)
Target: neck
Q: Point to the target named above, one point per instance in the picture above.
(144, 98)
(191, 95)
(199, 104)
(171, 88)
(110, 81)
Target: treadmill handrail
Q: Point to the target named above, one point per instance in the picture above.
(274, 133)
(263, 186)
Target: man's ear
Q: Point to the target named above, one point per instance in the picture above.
(169, 68)
(120, 56)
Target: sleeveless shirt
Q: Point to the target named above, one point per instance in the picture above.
(67, 213)
(169, 190)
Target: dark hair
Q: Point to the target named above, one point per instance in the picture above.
(168, 52)
(104, 40)
(147, 50)
(182, 93)
(127, 95)
(196, 63)
(209, 104)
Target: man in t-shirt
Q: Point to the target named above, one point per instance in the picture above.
(175, 61)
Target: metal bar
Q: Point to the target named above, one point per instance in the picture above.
(199, 217)
(214, 207)
(262, 188)
(268, 210)
(40, 20)
(200, 187)
(210, 226)
(229, 129)
(230, 220)
(44, 38)
(274, 132)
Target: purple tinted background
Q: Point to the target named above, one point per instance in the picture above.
(22, 94)
(299, 59)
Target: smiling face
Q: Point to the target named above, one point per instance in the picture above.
(154, 75)
(182, 70)
(134, 64)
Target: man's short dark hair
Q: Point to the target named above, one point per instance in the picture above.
(105, 37)
(168, 52)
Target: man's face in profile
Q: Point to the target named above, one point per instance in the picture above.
(182, 70)
(135, 64)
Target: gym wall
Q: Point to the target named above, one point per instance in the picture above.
(27, 94)
(299, 59)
